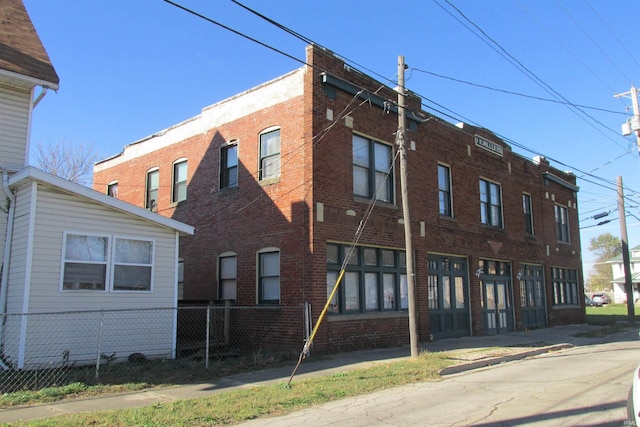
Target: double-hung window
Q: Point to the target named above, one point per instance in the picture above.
(153, 184)
(444, 190)
(112, 189)
(269, 155)
(490, 204)
(372, 169)
(528, 214)
(229, 166)
(227, 276)
(179, 190)
(269, 276)
(562, 223)
(107, 263)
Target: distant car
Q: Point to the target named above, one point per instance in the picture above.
(588, 302)
(633, 401)
(601, 298)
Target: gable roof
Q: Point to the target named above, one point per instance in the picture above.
(21, 50)
(33, 174)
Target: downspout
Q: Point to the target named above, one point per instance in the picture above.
(4, 281)
(40, 96)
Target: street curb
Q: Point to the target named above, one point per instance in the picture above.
(456, 369)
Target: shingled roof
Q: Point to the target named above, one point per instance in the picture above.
(21, 50)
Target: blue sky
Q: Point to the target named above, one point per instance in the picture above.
(129, 68)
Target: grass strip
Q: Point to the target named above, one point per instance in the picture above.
(241, 405)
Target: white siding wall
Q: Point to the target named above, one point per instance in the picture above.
(17, 274)
(14, 126)
(147, 329)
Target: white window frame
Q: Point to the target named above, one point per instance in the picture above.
(110, 262)
(147, 202)
(382, 191)
(224, 182)
(222, 280)
(110, 186)
(175, 183)
(260, 276)
(448, 191)
(262, 175)
(485, 206)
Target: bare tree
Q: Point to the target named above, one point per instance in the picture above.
(72, 162)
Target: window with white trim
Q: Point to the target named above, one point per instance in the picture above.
(229, 165)
(269, 276)
(269, 167)
(152, 186)
(490, 203)
(179, 188)
(372, 169)
(112, 189)
(227, 276)
(444, 190)
(107, 263)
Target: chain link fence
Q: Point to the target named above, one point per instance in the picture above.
(155, 346)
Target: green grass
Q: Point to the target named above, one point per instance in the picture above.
(610, 314)
(242, 405)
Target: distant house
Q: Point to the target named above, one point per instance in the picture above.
(67, 248)
(617, 268)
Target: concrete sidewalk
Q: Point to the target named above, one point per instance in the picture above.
(473, 353)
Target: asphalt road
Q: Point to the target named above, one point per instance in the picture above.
(585, 386)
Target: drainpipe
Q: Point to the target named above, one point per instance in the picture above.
(41, 95)
(7, 256)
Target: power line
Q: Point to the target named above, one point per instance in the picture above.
(468, 121)
(508, 92)
(523, 69)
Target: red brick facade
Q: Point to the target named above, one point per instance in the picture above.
(312, 207)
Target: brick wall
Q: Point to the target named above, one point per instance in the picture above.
(317, 168)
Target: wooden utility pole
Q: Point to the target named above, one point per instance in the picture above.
(628, 285)
(400, 141)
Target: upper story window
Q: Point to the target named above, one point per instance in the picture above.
(490, 204)
(562, 223)
(229, 166)
(227, 276)
(269, 155)
(372, 169)
(269, 276)
(153, 184)
(444, 190)
(179, 188)
(107, 263)
(112, 189)
(528, 214)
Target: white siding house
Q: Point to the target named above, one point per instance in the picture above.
(81, 259)
(82, 274)
(617, 268)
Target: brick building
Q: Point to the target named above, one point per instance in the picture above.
(279, 180)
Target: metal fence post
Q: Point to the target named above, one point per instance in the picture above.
(227, 309)
(99, 344)
(208, 338)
